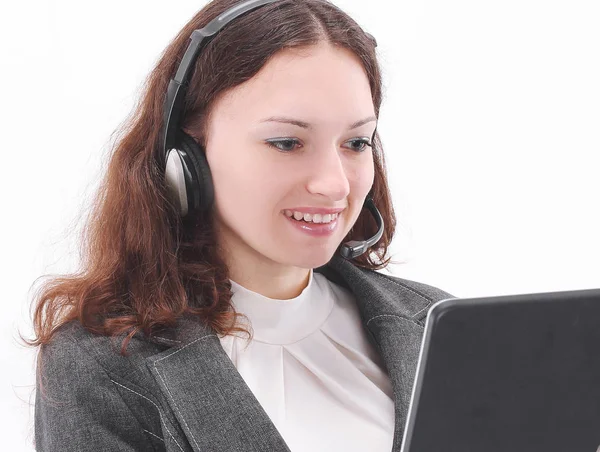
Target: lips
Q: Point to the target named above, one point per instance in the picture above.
(314, 229)
(313, 210)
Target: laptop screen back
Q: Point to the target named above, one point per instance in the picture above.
(510, 373)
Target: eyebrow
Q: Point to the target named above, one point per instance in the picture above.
(306, 125)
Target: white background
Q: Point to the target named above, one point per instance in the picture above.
(490, 124)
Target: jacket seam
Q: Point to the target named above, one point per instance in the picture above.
(159, 414)
(396, 316)
(414, 317)
(399, 284)
(167, 388)
(108, 375)
(168, 340)
(156, 436)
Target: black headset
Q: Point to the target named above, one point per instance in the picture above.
(187, 174)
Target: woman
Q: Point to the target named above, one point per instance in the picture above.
(241, 227)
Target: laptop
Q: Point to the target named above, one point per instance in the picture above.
(513, 373)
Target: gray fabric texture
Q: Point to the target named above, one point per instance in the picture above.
(179, 391)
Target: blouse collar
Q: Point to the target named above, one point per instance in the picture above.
(283, 322)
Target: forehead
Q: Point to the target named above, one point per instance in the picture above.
(320, 84)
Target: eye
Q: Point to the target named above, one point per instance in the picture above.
(286, 141)
(284, 144)
(363, 142)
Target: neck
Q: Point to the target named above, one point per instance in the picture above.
(281, 283)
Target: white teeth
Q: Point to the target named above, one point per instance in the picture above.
(311, 218)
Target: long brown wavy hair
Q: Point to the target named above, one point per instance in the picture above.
(142, 267)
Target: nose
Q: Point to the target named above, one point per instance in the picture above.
(329, 175)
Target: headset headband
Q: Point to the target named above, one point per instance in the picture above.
(178, 86)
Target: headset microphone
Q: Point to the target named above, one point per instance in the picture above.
(354, 248)
(188, 179)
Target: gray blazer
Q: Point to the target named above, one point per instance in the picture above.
(180, 391)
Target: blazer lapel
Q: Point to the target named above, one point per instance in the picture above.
(214, 406)
(218, 411)
(388, 310)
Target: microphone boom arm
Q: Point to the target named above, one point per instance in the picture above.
(355, 248)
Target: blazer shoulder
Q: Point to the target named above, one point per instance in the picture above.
(64, 342)
(72, 338)
(410, 299)
(432, 293)
(77, 399)
(64, 353)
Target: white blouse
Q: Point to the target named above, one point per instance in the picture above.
(313, 370)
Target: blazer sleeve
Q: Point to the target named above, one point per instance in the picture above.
(78, 407)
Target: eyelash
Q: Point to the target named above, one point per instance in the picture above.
(273, 144)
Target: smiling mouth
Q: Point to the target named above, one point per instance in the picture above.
(312, 218)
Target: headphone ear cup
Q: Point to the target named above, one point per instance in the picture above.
(175, 181)
(188, 178)
(200, 187)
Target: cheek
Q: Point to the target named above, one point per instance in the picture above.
(360, 185)
(361, 178)
(244, 187)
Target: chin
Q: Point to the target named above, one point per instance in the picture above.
(314, 259)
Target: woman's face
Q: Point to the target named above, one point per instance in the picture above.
(322, 164)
